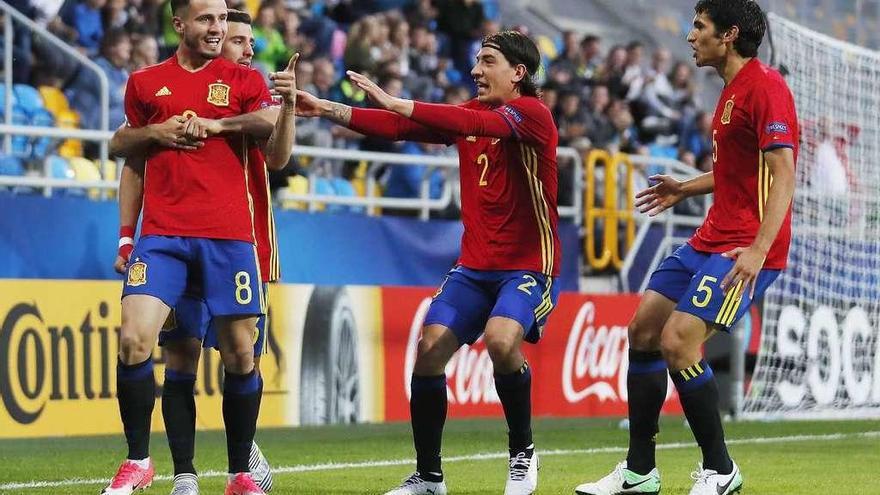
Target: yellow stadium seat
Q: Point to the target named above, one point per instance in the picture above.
(108, 172)
(71, 148)
(85, 170)
(547, 47)
(54, 100)
(296, 184)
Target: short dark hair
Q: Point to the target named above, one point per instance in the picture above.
(233, 15)
(112, 38)
(744, 14)
(176, 5)
(518, 48)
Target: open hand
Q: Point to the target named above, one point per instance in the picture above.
(373, 91)
(659, 197)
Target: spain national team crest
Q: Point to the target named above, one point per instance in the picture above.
(218, 94)
(728, 110)
(137, 274)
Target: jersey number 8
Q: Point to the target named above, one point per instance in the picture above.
(243, 292)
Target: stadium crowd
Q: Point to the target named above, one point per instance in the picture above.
(612, 97)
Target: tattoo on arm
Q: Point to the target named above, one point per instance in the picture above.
(339, 114)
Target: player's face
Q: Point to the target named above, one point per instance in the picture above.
(708, 46)
(496, 79)
(238, 46)
(202, 27)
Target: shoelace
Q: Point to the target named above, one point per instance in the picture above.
(519, 466)
(701, 476)
(124, 475)
(414, 479)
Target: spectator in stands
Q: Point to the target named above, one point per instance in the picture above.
(270, 52)
(684, 94)
(461, 20)
(85, 18)
(145, 52)
(398, 49)
(421, 13)
(550, 97)
(696, 141)
(84, 92)
(591, 57)
(324, 77)
(565, 68)
(633, 70)
(626, 133)
(660, 114)
(359, 51)
(611, 73)
(599, 128)
(405, 181)
(571, 120)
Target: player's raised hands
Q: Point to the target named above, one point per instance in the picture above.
(285, 82)
(373, 91)
(664, 194)
(749, 262)
(172, 134)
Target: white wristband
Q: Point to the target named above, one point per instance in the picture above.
(125, 240)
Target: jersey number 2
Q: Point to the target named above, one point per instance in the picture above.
(529, 283)
(484, 161)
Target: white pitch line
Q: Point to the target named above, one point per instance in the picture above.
(331, 466)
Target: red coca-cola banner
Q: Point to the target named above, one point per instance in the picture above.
(578, 368)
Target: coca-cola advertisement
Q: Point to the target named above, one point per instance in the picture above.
(579, 366)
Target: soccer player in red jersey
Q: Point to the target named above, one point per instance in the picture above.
(711, 281)
(503, 285)
(192, 319)
(197, 226)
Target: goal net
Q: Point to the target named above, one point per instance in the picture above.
(819, 354)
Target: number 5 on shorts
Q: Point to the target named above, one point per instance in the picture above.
(705, 290)
(243, 292)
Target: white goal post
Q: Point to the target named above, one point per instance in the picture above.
(819, 355)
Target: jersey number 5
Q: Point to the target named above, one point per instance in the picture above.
(484, 161)
(705, 290)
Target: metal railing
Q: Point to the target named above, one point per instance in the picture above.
(13, 14)
(372, 201)
(669, 219)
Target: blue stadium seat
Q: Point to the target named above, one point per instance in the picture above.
(21, 146)
(11, 165)
(28, 98)
(42, 146)
(343, 187)
(59, 168)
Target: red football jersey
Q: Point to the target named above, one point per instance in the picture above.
(200, 193)
(264, 220)
(755, 113)
(508, 192)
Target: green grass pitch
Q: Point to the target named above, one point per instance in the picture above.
(827, 457)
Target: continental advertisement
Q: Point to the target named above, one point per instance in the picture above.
(336, 354)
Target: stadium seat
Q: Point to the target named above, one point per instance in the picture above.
(547, 47)
(58, 167)
(20, 144)
(324, 187)
(343, 187)
(68, 119)
(42, 146)
(28, 98)
(296, 184)
(11, 166)
(85, 170)
(54, 100)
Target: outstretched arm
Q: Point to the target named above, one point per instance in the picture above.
(372, 122)
(450, 119)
